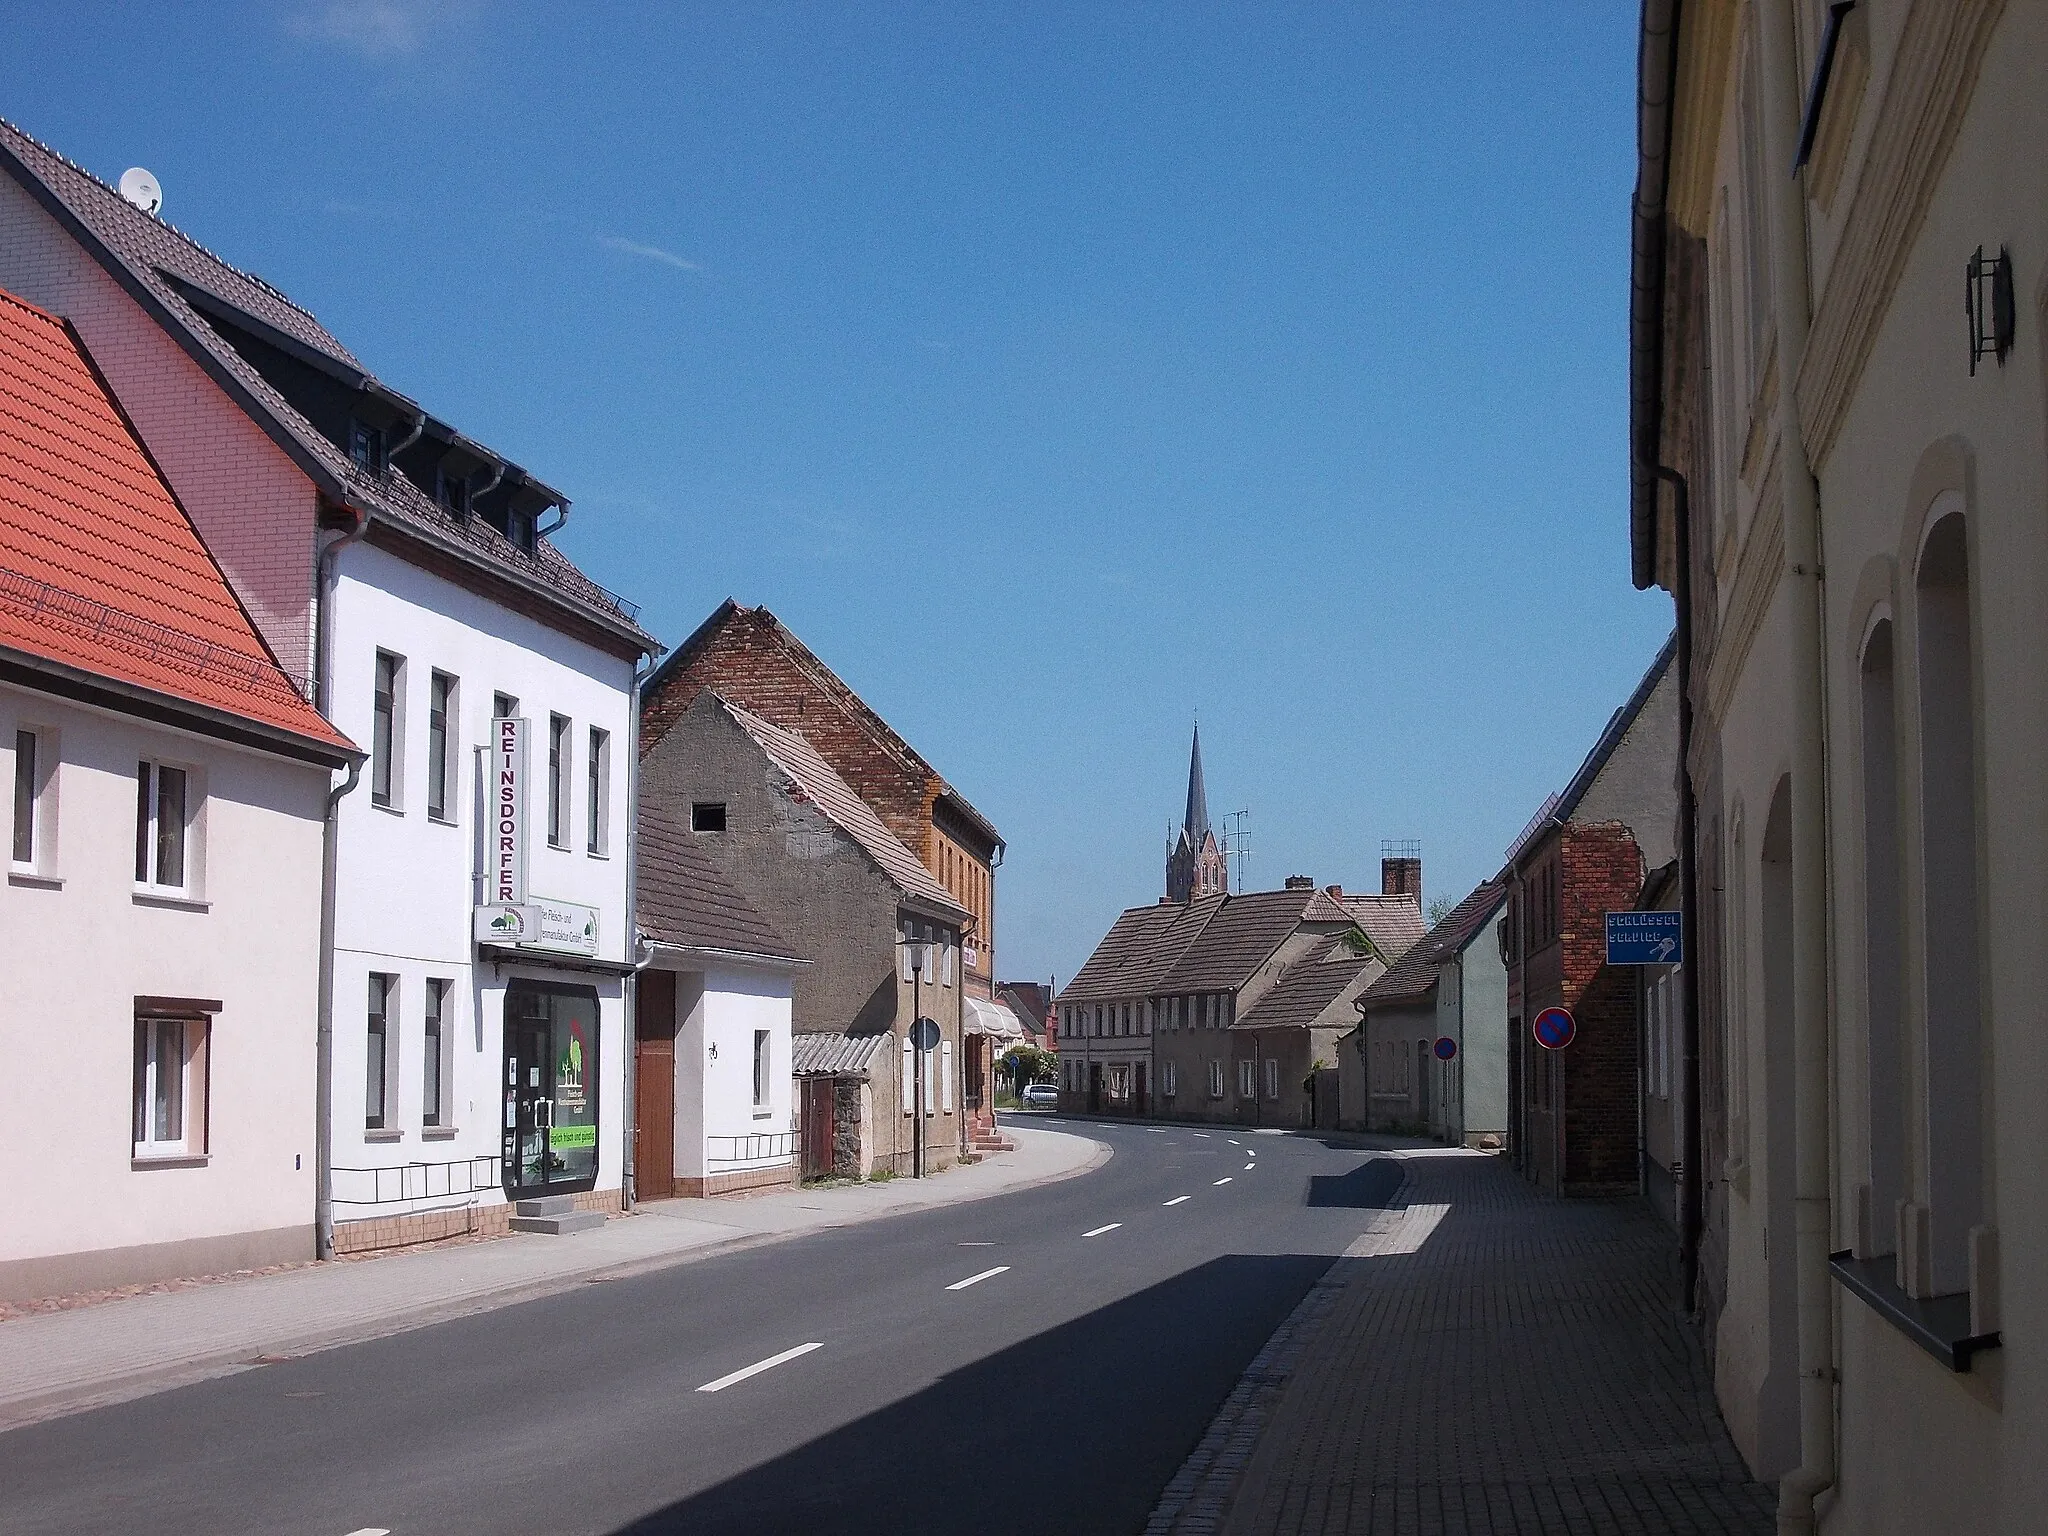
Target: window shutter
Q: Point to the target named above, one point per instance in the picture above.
(908, 939)
(946, 960)
(909, 1094)
(946, 1076)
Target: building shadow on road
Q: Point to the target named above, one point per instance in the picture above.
(1369, 1186)
(1072, 1431)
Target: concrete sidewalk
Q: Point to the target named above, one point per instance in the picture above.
(62, 1362)
(1482, 1359)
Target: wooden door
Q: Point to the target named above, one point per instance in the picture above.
(654, 1085)
(817, 1125)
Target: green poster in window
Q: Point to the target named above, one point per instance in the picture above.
(565, 1137)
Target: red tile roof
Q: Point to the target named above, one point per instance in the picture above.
(100, 569)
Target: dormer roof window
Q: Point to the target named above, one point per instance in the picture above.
(366, 447)
(452, 491)
(519, 528)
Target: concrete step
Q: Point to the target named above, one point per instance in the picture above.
(545, 1205)
(558, 1226)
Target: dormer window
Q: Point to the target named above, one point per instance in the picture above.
(519, 528)
(366, 447)
(452, 491)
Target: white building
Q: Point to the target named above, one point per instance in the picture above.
(162, 901)
(404, 570)
(714, 1087)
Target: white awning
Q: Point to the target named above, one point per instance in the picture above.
(981, 1017)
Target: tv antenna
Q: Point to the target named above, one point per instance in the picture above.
(1237, 845)
(142, 189)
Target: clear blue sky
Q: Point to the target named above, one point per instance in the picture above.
(1054, 371)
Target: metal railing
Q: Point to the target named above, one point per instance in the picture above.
(452, 1184)
(761, 1147)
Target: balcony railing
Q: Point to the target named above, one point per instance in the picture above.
(448, 1184)
(761, 1147)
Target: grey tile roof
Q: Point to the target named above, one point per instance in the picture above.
(1308, 987)
(157, 263)
(1393, 923)
(1415, 974)
(682, 899)
(1141, 946)
(817, 1055)
(1242, 936)
(836, 800)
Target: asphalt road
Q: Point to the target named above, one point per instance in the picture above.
(1036, 1362)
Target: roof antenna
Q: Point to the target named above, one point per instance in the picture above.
(142, 189)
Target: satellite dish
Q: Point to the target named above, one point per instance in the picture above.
(141, 189)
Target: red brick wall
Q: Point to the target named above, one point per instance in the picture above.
(1603, 872)
(747, 662)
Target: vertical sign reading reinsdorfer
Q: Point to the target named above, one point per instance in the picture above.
(508, 811)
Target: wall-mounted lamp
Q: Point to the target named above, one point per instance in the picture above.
(1988, 302)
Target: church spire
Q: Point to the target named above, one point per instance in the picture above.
(1196, 823)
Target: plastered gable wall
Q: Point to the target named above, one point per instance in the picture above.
(251, 504)
(803, 874)
(1638, 784)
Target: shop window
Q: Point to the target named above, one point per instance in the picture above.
(35, 801)
(1883, 943)
(436, 1057)
(379, 1081)
(1953, 1049)
(761, 1070)
(598, 824)
(164, 821)
(443, 743)
(551, 1077)
(558, 781)
(170, 1118)
(387, 731)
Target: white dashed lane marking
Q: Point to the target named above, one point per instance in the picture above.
(1248, 1167)
(756, 1369)
(1177, 1199)
(1224, 1180)
(1100, 1230)
(986, 1274)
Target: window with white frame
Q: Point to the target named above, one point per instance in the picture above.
(1170, 1079)
(170, 1085)
(598, 823)
(504, 706)
(1272, 1078)
(35, 801)
(381, 1030)
(558, 781)
(1247, 1080)
(443, 743)
(435, 1055)
(761, 1062)
(387, 732)
(163, 826)
(1215, 1078)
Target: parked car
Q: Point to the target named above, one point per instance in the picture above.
(1041, 1095)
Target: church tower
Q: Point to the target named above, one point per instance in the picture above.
(1195, 865)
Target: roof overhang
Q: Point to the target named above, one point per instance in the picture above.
(747, 958)
(1656, 87)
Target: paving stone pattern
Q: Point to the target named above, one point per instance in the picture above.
(1520, 1371)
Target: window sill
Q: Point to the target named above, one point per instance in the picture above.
(441, 821)
(764, 1114)
(436, 1132)
(1940, 1324)
(602, 858)
(146, 898)
(388, 810)
(383, 1136)
(142, 1160)
(35, 881)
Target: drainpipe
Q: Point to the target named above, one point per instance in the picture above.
(1813, 1217)
(629, 1184)
(1691, 1201)
(323, 1080)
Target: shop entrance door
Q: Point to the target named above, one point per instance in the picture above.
(550, 1090)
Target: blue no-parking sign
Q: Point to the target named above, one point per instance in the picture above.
(1554, 1028)
(1645, 938)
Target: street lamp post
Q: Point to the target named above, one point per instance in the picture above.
(918, 956)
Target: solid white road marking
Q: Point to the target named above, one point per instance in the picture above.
(1176, 1200)
(758, 1367)
(986, 1274)
(372, 1530)
(1100, 1230)
(1224, 1180)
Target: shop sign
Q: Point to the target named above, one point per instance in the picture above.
(559, 926)
(507, 866)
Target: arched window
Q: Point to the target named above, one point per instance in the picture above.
(1884, 1102)
(1948, 855)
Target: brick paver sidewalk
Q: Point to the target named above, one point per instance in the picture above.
(1488, 1360)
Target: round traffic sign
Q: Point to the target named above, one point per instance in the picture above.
(1445, 1047)
(924, 1034)
(1554, 1028)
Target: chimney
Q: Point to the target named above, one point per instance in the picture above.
(1401, 870)
(1301, 882)
(1334, 892)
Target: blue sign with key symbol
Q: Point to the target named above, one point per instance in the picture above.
(1645, 938)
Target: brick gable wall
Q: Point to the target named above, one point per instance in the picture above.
(746, 662)
(1603, 872)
